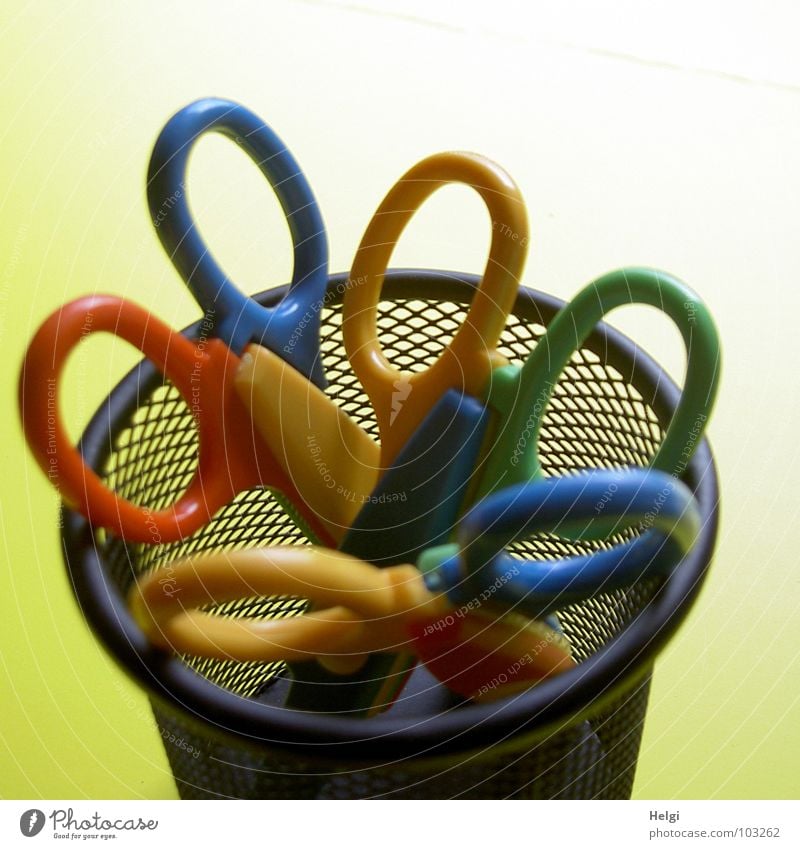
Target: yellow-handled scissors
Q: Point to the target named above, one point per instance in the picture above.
(362, 610)
(467, 362)
(334, 463)
(431, 439)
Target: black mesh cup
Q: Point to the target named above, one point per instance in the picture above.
(225, 728)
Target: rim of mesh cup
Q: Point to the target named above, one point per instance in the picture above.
(551, 704)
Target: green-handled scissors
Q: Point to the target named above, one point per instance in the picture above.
(520, 394)
(517, 398)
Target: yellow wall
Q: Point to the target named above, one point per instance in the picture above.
(671, 141)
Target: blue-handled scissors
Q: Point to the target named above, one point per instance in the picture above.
(290, 329)
(477, 566)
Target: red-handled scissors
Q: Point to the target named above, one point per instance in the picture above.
(232, 456)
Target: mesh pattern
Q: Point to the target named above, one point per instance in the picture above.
(596, 419)
(592, 759)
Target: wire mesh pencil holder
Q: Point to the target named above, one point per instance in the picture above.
(224, 726)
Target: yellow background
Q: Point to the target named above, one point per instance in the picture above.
(669, 139)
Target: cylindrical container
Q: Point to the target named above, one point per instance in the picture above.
(224, 726)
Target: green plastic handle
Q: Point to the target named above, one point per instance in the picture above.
(520, 396)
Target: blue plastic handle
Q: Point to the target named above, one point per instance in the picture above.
(478, 567)
(290, 329)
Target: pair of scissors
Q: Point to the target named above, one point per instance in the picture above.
(520, 395)
(362, 609)
(431, 440)
(477, 652)
(335, 462)
(231, 458)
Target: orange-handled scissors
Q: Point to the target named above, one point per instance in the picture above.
(361, 609)
(467, 362)
(232, 457)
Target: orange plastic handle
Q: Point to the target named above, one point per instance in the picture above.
(401, 400)
(231, 456)
(359, 609)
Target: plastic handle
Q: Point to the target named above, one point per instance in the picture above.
(290, 329)
(483, 658)
(478, 566)
(230, 458)
(365, 609)
(521, 396)
(401, 400)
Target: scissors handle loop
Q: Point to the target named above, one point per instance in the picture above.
(358, 607)
(477, 565)
(522, 395)
(291, 328)
(362, 609)
(400, 399)
(230, 457)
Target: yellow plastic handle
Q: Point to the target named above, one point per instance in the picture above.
(402, 399)
(365, 608)
(332, 462)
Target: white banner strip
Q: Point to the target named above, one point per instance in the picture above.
(386, 824)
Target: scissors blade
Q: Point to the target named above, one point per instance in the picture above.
(415, 504)
(331, 461)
